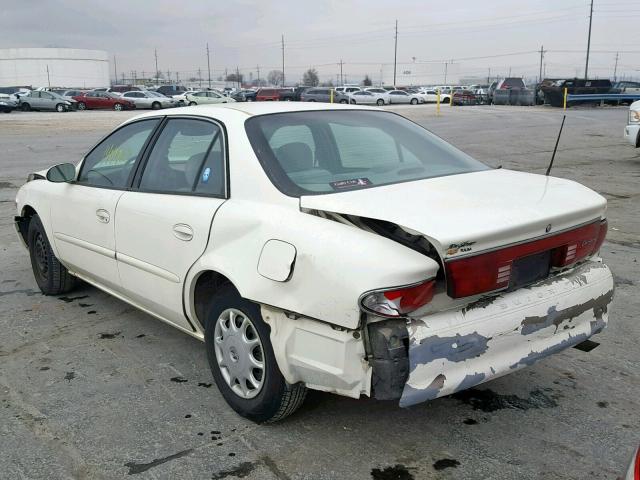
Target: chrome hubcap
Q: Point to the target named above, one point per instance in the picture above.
(239, 353)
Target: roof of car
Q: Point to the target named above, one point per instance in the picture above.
(227, 110)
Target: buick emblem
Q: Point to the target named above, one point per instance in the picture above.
(548, 229)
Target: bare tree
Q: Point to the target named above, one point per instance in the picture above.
(310, 77)
(367, 81)
(275, 77)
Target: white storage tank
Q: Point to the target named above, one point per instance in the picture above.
(68, 67)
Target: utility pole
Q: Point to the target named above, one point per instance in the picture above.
(258, 70)
(341, 77)
(446, 64)
(115, 68)
(49, 80)
(489, 76)
(283, 59)
(157, 71)
(168, 76)
(200, 76)
(509, 72)
(615, 69)
(586, 65)
(208, 65)
(178, 77)
(238, 77)
(541, 60)
(395, 56)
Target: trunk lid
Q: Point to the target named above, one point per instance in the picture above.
(473, 212)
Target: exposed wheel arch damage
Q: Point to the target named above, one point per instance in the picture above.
(206, 284)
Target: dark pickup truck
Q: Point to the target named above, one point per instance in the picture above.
(289, 95)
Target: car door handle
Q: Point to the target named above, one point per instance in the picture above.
(183, 232)
(103, 215)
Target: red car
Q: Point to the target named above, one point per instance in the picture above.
(267, 94)
(90, 100)
(464, 97)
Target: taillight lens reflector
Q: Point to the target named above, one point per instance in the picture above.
(491, 271)
(400, 301)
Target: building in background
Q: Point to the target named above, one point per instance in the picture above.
(55, 67)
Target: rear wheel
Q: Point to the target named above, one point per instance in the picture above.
(242, 361)
(414, 101)
(156, 106)
(343, 101)
(51, 276)
(380, 102)
(117, 107)
(26, 107)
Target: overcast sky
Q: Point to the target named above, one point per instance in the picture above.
(319, 34)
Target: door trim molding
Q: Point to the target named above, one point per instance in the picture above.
(86, 245)
(148, 267)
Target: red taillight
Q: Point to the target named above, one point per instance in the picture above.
(399, 301)
(492, 271)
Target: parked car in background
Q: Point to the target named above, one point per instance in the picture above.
(292, 95)
(223, 221)
(171, 90)
(267, 94)
(323, 94)
(41, 100)
(367, 98)
(7, 105)
(626, 87)
(206, 97)
(149, 99)
(103, 100)
(120, 89)
(481, 92)
(632, 130)
(464, 97)
(379, 91)
(400, 96)
(69, 94)
(249, 95)
(431, 96)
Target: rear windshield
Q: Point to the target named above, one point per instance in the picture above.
(320, 152)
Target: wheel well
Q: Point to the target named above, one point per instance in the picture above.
(24, 220)
(206, 285)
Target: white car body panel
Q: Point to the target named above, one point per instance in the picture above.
(484, 207)
(307, 272)
(632, 130)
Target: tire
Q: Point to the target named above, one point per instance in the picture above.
(156, 106)
(312, 100)
(274, 399)
(343, 101)
(82, 106)
(118, 107)
(51, 276)
(414, 101)
(287, 99)
(380, 102)
(249, 99)
(191, 104)
(26, 107)
(60, 108)
(352, 102)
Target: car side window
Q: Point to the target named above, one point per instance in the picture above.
(187, 157)
(111, 162)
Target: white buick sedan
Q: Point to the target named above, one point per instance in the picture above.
(336, 248)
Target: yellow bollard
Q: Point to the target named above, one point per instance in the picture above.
(565, 99)
(438, 102)
(331, 96)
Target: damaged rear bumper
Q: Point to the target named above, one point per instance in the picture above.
(458, 349)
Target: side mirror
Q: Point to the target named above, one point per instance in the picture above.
(65, 172)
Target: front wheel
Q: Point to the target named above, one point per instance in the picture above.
(191, 104)
(343, 101)
(414, 101)
(51, 276)
(82, 106)
(380, 102)
(117, 107)
(60, 108)
(156, 106)
(26, 107)
(242, 361)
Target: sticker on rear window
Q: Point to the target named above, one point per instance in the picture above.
(352, 182)
(205, 175)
